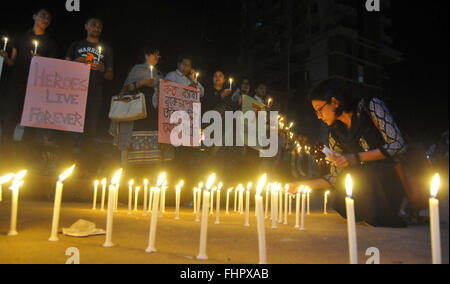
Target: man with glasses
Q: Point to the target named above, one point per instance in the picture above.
(22, 51)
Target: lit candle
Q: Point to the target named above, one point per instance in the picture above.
(211, 206)
(199, 201)
(235, 198)
(196, 77)
(290, 204)
(194, 203)
(247, 205)
(178, 199)
(150, 201)
(100, 49)
(4, 180)
(130, 196)
(136, 197)
(304, 193)
(274, 206)
(204, 229)
(94, 205)
(57, 205)
(325, 209)
(269, 101)
(163, 200)
(151, 71)
(260, 220)
(228, 200)
(286, 201)
(241, 200)
(145, 197)
(231, 83)
(161, 184)
(36, 44)
(103, 194)
(280, 204)
(110, 217)
(116, 197)
(17, 183)
(6, 43)
(297, 207)
(435, 221)
(351, 224)
(267, 200)
(308, 202)
(154, 221)
(219, 189)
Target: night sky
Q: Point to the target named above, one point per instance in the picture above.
(210, 33)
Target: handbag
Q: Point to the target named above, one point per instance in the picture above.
(128, 108)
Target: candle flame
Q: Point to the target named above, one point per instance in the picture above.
(287, 188)
(230, 190)
(349, 186)
(180, 185)
(66, 174)
(210, 182)
(161, 179)
(300, 189)
(104, 181)
(200, 186)
(220, 186)
(131, 183)
(146, 182)
(96, 183)
(327, 193)
(249, 186)
(138, 188)
(262, 182)
(6, 179)
(17, 185)
(100, 49)
(116, 178)
(435, 186)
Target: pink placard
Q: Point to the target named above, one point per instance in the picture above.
(176, 97)
(56, 95)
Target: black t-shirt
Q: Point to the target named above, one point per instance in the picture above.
(91, 52)
(24, 44)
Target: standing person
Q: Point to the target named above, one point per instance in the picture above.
(368, 144)
(100, 56)
(261, 96)
(22, 51)
(244, 90)
(185, 75)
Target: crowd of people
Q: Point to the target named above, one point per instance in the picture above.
(218, 96)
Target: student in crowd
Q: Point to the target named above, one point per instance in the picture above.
(185, 75)
(368, 144)
(244, 90)
(100, 57)
(21, 52)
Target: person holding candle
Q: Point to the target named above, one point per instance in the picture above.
(368, 144)
(100, 57)
(244, 90)
(18, 56)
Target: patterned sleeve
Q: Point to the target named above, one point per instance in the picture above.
(334, 171)
(395, 143)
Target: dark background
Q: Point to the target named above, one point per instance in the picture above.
(209, 31)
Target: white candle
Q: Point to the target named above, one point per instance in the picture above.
(218, 206)
(204, 229)
(154, 221)
(4, 180)
(247, 206)
(194, 203)
(274, 206)
(110, 217)
(196, 77)
(145, 197)
(303, 225)
(241, 201)
(351, 224)
(280, 204)
(325, 206)
(178, 199)
(130, 196)
(36, 43)
(151, 71)
(161, 184)
(228, 200)
(308, 201)
(116, 198)
(267, 200)
(231, 83)
(6, 43)
(286, 201)
(150, 201)
(290, 204)
(235, 198)
(94, 205)
(211, 205)
(57, 205)
(103, 194)
(297, 208)
(260, 221)
(17, 183)
(163, 200)
(136, 198)
(435, 221)
(199, 201)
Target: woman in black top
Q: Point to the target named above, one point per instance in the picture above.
(367, 144)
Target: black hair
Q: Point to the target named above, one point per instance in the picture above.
(37, 11)
(184, 57)
(328, 89)
(94, 18)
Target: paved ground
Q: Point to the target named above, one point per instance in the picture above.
(324, 242)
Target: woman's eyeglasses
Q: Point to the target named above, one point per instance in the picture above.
(319, 111)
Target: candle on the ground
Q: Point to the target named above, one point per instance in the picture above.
(145, 197)
(228, 200)
(274, 204)
(286, 203)
(280, 204)
(325, 209)
(435, 221)
(94, 202)
(103, 194)
(204, 228)
(136, 198)
(211, 205)
(308, 193)
(297, 207)
(219, 190)
(236, 190)
(15, 187)
(247, 205)
(290, 204)
(4, 180)
(57, 205)
(116, 197)
(260, 220)
(130, 196)
(199, 201)
(110, 217)
(267, 200)
(304, 193)
(163, 199)
(194, 203)
(161, 185)
(178, 199)
(351, 224)
(154, 221)
(241, 200)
